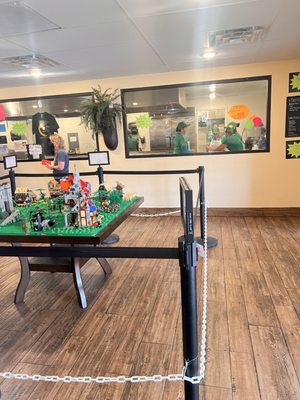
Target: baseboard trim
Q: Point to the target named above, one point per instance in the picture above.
(234, 212)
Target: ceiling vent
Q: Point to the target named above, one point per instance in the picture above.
(30, 61)
(249, 34)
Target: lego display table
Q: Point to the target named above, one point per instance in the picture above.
(89, 236)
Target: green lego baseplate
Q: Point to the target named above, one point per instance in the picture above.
(59, 229)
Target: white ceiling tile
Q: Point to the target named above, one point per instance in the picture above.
(8, 49)
(68, 13)
(78, 38)
(103, 38)
(286, 25)
(17, 18)
(135, 55)
(18, 76)
(200, 63)
(269, 50)
(138, 8)
(243, 15)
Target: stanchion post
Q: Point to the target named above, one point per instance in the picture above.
(211, 241)
(12, 178)
(202, 200)
(100, 175)
(188, 263)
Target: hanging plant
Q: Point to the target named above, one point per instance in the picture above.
(100, 113)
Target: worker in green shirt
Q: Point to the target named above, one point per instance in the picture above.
(181, 145)
(231, 141)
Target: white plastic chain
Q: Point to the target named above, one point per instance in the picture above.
(155, 215)
(139, 378)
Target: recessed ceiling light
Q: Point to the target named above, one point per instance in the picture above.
(66, 110)
(34, 106)
(209, 53)
(36, 72)
(135, 103)
(212, 95)
(212, 87)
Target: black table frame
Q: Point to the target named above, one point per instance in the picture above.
(67, 264)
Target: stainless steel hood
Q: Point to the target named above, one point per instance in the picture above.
(154, 101)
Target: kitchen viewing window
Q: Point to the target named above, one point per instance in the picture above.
(26, 124)
(220, 117)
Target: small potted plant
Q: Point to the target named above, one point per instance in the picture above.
(100, 113)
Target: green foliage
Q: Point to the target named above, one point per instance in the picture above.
(100, 112)
(115, 196)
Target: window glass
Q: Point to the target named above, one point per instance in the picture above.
(201, 118)
(27, 123)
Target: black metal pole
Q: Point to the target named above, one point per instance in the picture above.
(202, 200)
(100, 175)
(188, 263)
(211, 241)
(12, 178)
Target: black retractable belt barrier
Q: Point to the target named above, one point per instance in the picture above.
(188, 262)
(90, 252)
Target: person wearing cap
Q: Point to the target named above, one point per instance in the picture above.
(181, 145)
(214, 139)
(231, 141)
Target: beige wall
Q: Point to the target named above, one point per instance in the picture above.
(236, 180)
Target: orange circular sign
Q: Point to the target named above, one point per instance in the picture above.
(238, 111)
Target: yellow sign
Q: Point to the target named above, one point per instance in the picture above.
(239, 111)
(293, 149)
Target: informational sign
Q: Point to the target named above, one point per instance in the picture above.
(294, 82)
(98, 158)
(35, 150)
(10, 162)
(293, 149)
(20, 146)
(2, 128)
(292, 124)
(239, 111)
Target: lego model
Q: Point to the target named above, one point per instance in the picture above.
(24, 196)
(6, 203)
(70, 209)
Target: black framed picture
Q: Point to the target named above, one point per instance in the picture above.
(98, 158)
(292, 122)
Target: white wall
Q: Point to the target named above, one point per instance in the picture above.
(232, 180)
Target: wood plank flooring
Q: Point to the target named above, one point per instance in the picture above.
(133, 324)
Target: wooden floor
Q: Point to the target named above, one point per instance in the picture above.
(133, 325)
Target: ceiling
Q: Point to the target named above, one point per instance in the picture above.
(94, 39)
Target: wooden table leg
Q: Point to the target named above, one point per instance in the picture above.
(78, 283)
(24, 279)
